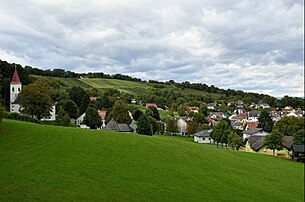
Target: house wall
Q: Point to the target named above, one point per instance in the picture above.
(202, 139)
(284, 153)
(182, 126)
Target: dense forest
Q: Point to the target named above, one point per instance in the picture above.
(6, 72)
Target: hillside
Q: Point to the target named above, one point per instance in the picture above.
(132, 87)
(40, 162)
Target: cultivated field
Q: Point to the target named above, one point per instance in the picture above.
(48, 163)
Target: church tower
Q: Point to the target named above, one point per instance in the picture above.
(15, 90)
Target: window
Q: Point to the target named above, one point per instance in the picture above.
(13, 89)
(18, 89)
(209, 138)
(203, 138)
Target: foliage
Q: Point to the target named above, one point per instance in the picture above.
(35, 99)
(289, 125)
(192, 127)
(265, 121)
(155, 112)
(274, 140)
(20, 117)
(71, 108)
(66, 120)
(154, 124)
(92, 119)
(79, 96)
(136, 114)
(120, 112)
(199, 118)
(299, 137)
(171, 126)
(221, 131)
(235, 141)
(2, 111)
(203, 109)
(104, 102)
(144, 126)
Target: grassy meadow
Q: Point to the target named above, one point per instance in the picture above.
(49, 163)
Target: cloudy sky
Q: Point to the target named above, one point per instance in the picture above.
(254, 46)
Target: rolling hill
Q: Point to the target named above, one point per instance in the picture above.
(48, 163)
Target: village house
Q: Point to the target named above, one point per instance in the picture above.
(250, 125)
(254, 132)
(253, 116)
(237, 125)
(256, 144)
(264, 106)
(203, 137)
(115, 126)
(193, 109)
(182, 125)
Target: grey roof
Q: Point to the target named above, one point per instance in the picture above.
(256, 142)
(133, 126)
(114, 126)
(288, 142)
(252, 131)
(298, 148)
(253, 114)
(125, 128)
(203, 133)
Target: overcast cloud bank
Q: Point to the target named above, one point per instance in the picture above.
(253, 46)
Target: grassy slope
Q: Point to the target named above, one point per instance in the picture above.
(56, 163)
(122, 85)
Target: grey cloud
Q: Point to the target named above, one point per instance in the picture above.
(248, 45)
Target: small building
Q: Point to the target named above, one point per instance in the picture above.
(238, 125)
(298, 152)
(115, 126)
(193, 109)
(203, 136)
(256, 144)
(182, 125)
(254, 132)
(251, 125)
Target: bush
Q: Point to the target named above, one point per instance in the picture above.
(21, 117)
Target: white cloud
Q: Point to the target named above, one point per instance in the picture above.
(249, 45)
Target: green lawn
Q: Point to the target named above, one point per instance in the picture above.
(49, 163)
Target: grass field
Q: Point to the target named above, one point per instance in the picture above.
(48, 163)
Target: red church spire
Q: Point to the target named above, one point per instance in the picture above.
(15, 78)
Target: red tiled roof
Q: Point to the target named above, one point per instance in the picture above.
(251, 125)
(151, 105)
(15, 78)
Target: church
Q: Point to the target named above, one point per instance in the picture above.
(15, 90)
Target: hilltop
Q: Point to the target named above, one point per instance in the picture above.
(40, 162)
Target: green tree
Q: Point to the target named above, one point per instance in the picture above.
(120, 112)
(155, 112)
(265, 121)
(84, 104)
(203, 109)
(143, 124)
(171, 126)
(66, 120)
(92, 119)
(199, 118)
(192, 127)
(274, 141)
(299, 137)
(221, 131)
(35, 99)
(154, 124)
(136, 114)
(2, 111)
(71, 108)
(235, 141)
(290, 125)
(77, 95)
